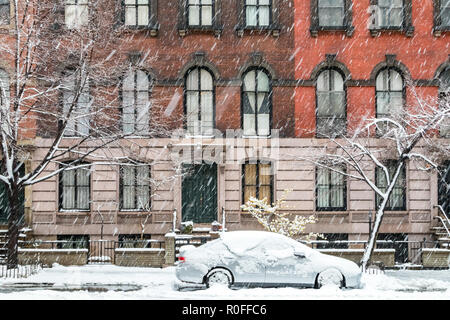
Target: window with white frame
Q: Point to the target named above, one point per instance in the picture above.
(199, 101)
(4, 11)
(258, 13)
(76, 13)
(390, 13)
(256, 103)
(136, 102)
(331, 13)
(74, 189)
(135, 187)
(330, 189)
(200, 13)
(331, 113)
(76, 103)
(389, 95)
(137, 12)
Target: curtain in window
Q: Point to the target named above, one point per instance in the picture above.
(397, 200)
(136, 102)
(445, 13)
(200, 12)
(75, 192)
(135, 187)
(389, 95)
(78, 123)
(331, 113)
(257, 12)
(256, 103)
(76, 13)
(330, 189)
(390, 13)
(258, 181)
(331, 13)
(137, 12)
(200, 102)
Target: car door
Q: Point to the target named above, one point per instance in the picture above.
(286, 266)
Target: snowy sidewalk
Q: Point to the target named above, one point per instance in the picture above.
(127, 283)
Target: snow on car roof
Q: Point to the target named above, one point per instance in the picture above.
(244, 241)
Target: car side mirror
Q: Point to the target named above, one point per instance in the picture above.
(299, 254)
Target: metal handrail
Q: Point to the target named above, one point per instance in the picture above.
(442, 220)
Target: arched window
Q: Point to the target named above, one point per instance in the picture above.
(258, 13)
(199, 101)
(389, 94)
(444, 97)
(331, 104)
(256, 103)
(76, 103)
(135, 102)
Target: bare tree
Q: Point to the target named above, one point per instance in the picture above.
(378, 150)
(68, 69)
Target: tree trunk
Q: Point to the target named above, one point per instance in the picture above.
(13, 227)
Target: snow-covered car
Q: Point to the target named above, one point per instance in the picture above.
(259, 258)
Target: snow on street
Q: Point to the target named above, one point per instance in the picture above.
(127, 283)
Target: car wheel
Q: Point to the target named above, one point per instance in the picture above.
(218, 277)
(330, 277)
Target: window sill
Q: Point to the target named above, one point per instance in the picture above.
(408, 31)
(331, 211)
(273, 30)
(133, 212)
(185, 30)
(152, 30)
(256, 137)
(349, 30)
(439, 30)
(74, 212)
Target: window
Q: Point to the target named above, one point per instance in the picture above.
(258, 13)
(333, 241)
(73, 241)
(391, 15)
(397, 199)
(444, 97)
(74, 189)
(76, 13)
(330, 189)
(136, 102)
(256, 104)
(4, 11)
(331, 104)
(444, 187)
(389, 95)
(200, 13)
(258, 181)
(199, 101)
(441, 16)
(137, 12)
(76, 104)
(331, 15)
(5, 94)
(135, 188)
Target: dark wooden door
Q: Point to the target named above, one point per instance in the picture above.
(199, 195)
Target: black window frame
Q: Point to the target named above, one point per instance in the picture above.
(73, 241)
(61, 190)
(391, 165)
(444, 97)
(330, 186)
(152, 25)
(184, 28)
(407, 27)
(135, 185)
(257, 185)
(274, 26)
(185, 94)
(344, 116)
(444, 194)
(137, 240)
(347, 26)
(270, 97)
(438, 28)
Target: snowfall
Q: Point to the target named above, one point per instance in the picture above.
(109, 282)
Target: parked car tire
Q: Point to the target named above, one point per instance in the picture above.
(330, 277)
(219, 276)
